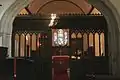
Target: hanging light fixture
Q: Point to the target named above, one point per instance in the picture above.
(53, 20)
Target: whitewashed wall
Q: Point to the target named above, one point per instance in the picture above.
(5, 5)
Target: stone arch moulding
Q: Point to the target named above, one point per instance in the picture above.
(112, 17)
(6, 22)
(105, 7)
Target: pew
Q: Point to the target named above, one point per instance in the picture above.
(80, 68)
(6, 66)
(6, 70)
(24, 69)
(102, 77)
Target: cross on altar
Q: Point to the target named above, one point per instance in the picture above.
(60, 51)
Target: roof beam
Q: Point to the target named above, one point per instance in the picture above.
(28, 10)
(91, 9)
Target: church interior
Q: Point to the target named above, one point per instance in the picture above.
(58, 40)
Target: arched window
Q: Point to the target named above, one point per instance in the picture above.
(79, 35)
(73, 35)
(34, 42)
(22, 45)
(102, 44)
(38, 40)
(60, 37)
(16, 45)
(97, 44)
(28, 45)
(90, 39)
(85, 43)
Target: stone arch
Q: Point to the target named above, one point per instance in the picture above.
(105, 6)
(112, 17)
(7, 22)
(61, 0)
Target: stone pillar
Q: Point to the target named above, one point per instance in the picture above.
(0, 40)
(6, 22)
(5, 41)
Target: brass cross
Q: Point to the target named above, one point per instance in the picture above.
(60, 51)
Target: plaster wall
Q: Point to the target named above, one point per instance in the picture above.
(5, 5)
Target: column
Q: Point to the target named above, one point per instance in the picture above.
(6, 42)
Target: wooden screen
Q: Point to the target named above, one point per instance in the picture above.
(26, 42)
(84, 39)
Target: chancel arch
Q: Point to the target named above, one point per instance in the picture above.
(68, 3)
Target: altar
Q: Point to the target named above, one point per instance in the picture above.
(60, 67)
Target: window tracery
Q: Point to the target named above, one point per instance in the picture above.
(60, 37)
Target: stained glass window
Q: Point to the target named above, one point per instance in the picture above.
(60, 37)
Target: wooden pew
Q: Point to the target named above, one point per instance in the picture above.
(24, 69)
(102, 77)
(6, 70)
